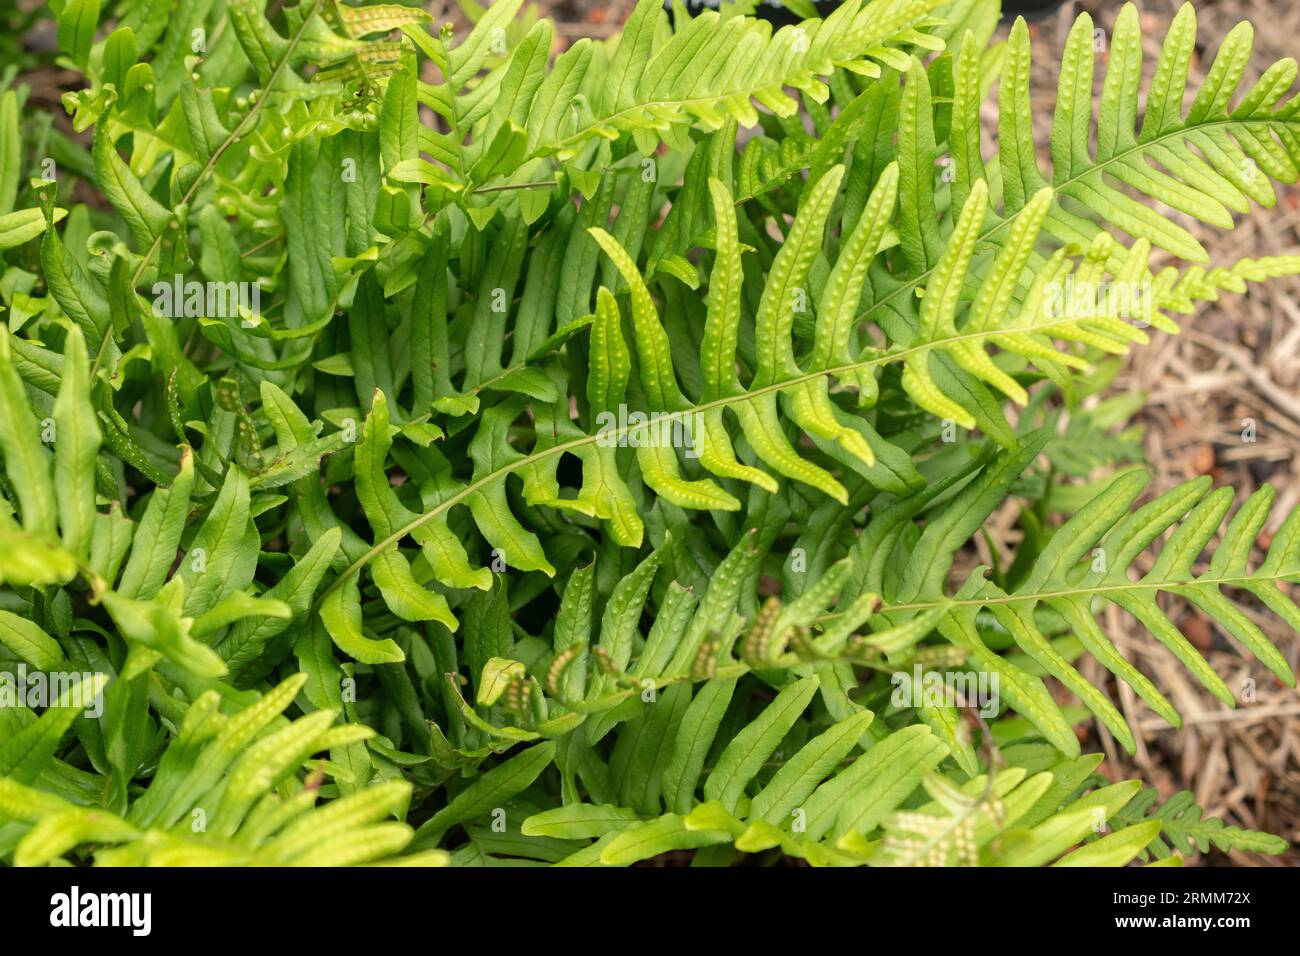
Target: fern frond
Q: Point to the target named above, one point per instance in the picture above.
(1215, 155)
(1180, 827)
(655, 85)
(833, 812)
(1206, 163)
(226, 793)
(168, 611)
(1087, 562)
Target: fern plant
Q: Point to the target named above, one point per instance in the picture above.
(443, 452)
